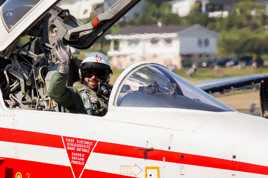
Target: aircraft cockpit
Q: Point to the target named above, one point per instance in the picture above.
(27, 62)
(153, 85)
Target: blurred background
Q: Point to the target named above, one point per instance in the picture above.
(200, 40)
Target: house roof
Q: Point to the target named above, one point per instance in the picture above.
(154, 29)
(197, 30)
(147, 32)
(131, 30)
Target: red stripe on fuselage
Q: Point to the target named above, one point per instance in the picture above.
(181, 158)
(25, 137)
(32, 138)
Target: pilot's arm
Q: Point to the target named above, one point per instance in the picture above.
(58, 90)
(94, 104)
(64, 95)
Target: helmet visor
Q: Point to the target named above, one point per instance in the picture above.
(99, 74)
(101, 71)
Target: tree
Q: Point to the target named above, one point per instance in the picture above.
(196, 16)
(157, 11)
(243, 42)
(247, 13)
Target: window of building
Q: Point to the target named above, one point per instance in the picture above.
(133, 43)
(116, 45)
(214, 7)
(154, 41)
(206, 42)
(200, 43)
(85, 12)
(168, 41)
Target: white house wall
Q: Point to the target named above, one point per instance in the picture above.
(191, 45)
(125, 48)
(145, 48)
(161, 52)
(182, 8)
(163, 49)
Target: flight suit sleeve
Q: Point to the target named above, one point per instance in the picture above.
(93, 104)
(103, 107)
(64, 95)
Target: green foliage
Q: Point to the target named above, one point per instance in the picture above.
(243, 32)
(207, 74)
(116, 73)
(243, 42)
(156, 11)
(115, 29)
(247, 13)
(230, 42)
(197, 17)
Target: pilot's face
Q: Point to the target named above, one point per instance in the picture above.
(92, 81)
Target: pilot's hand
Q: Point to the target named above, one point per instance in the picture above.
(104, 89)
(63, 55)
(95, 105)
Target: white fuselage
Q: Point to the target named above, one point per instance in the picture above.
(132, 142)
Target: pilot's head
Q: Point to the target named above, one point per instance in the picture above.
(95, 69)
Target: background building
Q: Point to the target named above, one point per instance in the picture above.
(214, 8)
(183, 7)
(162, 44)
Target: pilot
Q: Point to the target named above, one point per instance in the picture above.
(89, 95)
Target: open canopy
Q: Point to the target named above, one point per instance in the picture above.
(17, 16)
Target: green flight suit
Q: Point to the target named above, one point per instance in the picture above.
(77, 99)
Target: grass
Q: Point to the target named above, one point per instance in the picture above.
(206, 74)
(209, 74)
(116, 73)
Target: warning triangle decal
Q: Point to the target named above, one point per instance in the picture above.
(78, 151)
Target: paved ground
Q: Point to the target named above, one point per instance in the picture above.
(242, 100)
